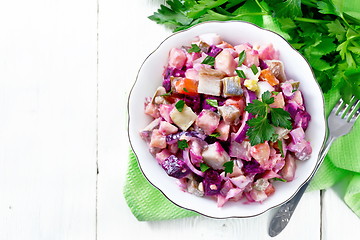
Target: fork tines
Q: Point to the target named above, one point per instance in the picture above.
(346, 111)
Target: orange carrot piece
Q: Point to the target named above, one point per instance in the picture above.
(268, 76)
(186, 86)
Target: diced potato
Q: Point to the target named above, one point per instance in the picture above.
(177, 58)
(288, 171)
(225, 62)
(261, 153)
(157, 139)
(167, 128)
(211, 38)
(215, 156)
(183, 119)
(224, 130)
(208, 121)
(263, 87)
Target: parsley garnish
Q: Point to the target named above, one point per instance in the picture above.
(229, 167)
(204, 167)
(242, 57)
(240, 73)
(326, 33)
(182, 144)
(180, 105)
(254, 69)
(275, 93)
(279, 179)
(194, 48)
(185, 90)
(215, 135)
(212, 102)
(279, 142)
(260, 129)
(209, 60)
(168, 94)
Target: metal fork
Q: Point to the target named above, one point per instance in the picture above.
(340, 122)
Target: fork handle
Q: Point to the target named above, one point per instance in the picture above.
(283, 215)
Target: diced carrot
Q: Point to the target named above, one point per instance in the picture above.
(187, 86)
(226, 45)
(269, 190)
(268, 76)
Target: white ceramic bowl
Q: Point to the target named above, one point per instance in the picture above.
(150, 77)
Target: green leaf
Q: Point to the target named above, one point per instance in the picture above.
(204, 167)
(260, 130)
(182, 144)
(257, 108)
(336, 29)
(166, 94)
(288, 9)
(254, 69)
(279, 179)
(215, 135)
(229, 167)
(328, 7)
(212, 102)
(202, 6)
(287, 23)
(266, 98)
(242, 57)
(326, 46)
(185, 90)
(280, 118)
(280, 145)
(319, 64)
(194, 48)
(240, 73)
(180, 105)
(166, 15)
(274, 137)
(209, 60)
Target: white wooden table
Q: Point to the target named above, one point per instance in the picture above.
(66, 68)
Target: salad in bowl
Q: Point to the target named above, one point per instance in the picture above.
(227, 130)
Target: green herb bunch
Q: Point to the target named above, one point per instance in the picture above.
(326, 33)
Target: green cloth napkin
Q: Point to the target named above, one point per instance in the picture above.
(148, 204)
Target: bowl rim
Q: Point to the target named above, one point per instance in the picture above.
(193, 210)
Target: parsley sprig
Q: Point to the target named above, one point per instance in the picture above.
(261, 129)
(325, 32)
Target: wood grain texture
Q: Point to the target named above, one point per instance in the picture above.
(338, 221)
(48, 120)
(51, 91)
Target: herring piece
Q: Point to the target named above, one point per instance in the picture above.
(183, 119)
(215, 156)
(277, 68)
(232, 86)
(210, 81)
(230, 114)
(211, 38)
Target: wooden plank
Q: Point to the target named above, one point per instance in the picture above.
(48, 97)
(338, 221)
(305, 224)
(126, 38)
